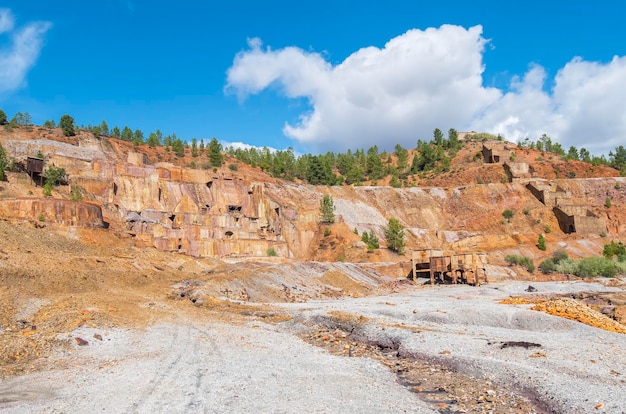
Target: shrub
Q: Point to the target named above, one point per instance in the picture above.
(55, 176)
(596, 266)
(614, 249)
(326, 232)
(271, 252)
(546, 229)
(567, 267)
(356, 231)
(607, 202)
(547, 266)
(618, 185)
(365, 237)
(541, 243)
(76, 192)
(372, 241)
(47, 190)
(559, 255)
(42, 217)
(526, 212)
(526, 262)
(508, 214)
(233, 167)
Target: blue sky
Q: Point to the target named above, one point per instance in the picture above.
(322, 75)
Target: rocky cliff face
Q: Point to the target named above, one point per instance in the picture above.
(224, 213)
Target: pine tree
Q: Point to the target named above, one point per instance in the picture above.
(138, 137)
(215, 153)
(394, 233)
(327, 210)
(66, 123)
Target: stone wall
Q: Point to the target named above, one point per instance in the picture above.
(495, 152)
(579, 219)
(70, 213)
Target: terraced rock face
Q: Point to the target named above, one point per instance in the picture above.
(247, 214)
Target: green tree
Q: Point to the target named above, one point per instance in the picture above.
(127, 134)
(437, 137)
(137, 137)
(66, 123)
(22, 119)
(617, 159)
(585, 155)
(194, 147)
(572, 153)
(104, 128)
(115, 133)
(49, 124)
(541, 243)
(375, 169)
(178, 147)
(3, 163)
(55, 176)
(3, 117)
(153, 140)
(394, 233)
(402, 155)
(215, 153)
(454, 145)
(327, 209)
(372, 241)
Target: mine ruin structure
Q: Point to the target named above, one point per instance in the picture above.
(578, 219)
(573, 216)
(194, 211)
(518, 171)
(495, 152)
(445, 267)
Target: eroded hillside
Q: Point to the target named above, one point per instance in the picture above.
(242, 213)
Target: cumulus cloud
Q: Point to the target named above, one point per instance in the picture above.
(396, 94)
(584, 106)
(426, 79)
(20, 52)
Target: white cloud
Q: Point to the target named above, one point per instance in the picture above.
(419, 81)
(6, 20)
(19, 54)
(426, 79)
(585, 106)
(244, 146)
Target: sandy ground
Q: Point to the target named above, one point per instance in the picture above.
(191, 364)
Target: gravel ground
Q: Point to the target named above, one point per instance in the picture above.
(192, 365)
(576, 368)
(180, 368)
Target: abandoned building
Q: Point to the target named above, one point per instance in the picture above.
(442, 267)
(550, 194)
(34, 169)
(518, 171)
(495, 152)
(578, 219)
